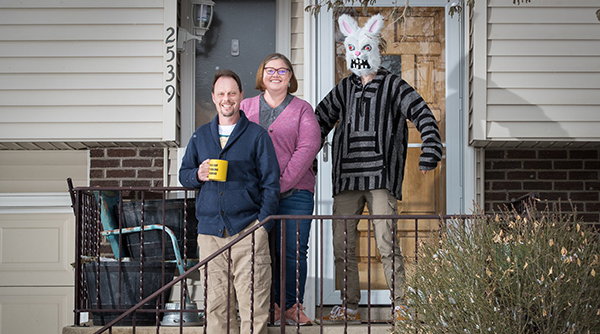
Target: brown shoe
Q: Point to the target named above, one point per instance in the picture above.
(295, 315)
(338, 316)
(276, 315)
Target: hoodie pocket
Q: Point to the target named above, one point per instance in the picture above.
(363, 153)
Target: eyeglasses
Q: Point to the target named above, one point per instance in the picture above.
(280, 71)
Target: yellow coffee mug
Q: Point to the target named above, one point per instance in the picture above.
(217, 170)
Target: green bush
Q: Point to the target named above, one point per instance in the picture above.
(507, 273)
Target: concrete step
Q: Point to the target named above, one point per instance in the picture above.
(382, 326)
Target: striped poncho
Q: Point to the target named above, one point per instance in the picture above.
(370, 141)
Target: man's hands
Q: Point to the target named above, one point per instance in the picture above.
(203, 170)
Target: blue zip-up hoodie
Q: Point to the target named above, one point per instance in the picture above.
(252, 188)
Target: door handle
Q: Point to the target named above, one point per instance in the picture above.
(326, 145)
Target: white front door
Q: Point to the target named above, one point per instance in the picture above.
(450, 97)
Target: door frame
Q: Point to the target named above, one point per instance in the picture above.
(459, 156)
(283, 28)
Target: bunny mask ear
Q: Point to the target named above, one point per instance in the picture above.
(374, 25)
(362, 44)
(348, 25)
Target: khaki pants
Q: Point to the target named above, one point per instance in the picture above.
(240, 282)
(379, 202)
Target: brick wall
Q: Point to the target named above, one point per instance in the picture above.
(562, 177)
(126, 167)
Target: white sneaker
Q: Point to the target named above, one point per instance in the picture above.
(339, 316)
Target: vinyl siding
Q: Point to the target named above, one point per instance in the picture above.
(536, 72)
(28, 310)
(35, 210)
(37, 238)
(36, 278)
(79, 73)
(173, 162)
(297, 44)
(42, 171)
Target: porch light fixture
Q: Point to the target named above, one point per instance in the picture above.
(202, 15)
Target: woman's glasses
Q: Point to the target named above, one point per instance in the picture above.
(280, 71)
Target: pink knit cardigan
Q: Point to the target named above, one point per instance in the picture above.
(297, 139)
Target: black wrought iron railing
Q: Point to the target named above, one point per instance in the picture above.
(130, 242)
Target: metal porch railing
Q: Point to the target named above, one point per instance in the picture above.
(152, 304)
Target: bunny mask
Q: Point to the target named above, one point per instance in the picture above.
(362, 44)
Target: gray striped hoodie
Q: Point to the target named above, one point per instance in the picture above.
(370, 141)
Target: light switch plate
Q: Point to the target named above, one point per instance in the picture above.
(235, 47)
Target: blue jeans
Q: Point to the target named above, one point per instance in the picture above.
(299, 203)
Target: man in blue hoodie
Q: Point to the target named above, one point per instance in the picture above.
(227, 209)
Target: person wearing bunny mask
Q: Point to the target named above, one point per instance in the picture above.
(369, 154)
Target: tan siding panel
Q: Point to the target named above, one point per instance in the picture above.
(36, 309)
(297, 25)
(79, 114)
(297, 9)
(478, 75)
(300, 69)
(545, 31)
(139, 131)
(80, 81)
(82, 65)
(67, 158)
(81, 4)
(38, 171)
(478, 33)
(544, 96)
(75, 97)
(543, 48)
(171, 131)
(81, 32)
(543, 113)
(17, 186)
(172, 171)
(297, 41)
(300, 91)
(41, 171)
(298, 57)
(84, 56)
(543, 130)
(48, 263)
(544, 80)
(526, 14)
(543, 71)
(81, 49)
(546, 64)
(83, 16)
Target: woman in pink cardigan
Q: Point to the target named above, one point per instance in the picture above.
(296, 135)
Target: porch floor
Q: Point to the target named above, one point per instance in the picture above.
(314, 329)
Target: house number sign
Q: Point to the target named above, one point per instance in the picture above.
(169, 59)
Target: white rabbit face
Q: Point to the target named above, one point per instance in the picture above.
(362, 44)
